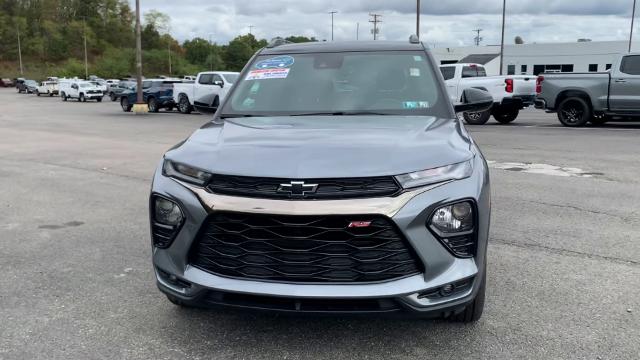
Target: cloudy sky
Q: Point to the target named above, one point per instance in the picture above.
(444, 22)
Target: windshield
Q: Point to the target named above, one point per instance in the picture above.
(384, 82)
(231, 78)
(30, 82)
(84, 85)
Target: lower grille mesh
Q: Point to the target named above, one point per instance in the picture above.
(303, 248)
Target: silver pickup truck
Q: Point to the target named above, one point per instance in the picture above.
(579, 98)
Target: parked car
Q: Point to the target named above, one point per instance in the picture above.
(27, 86)
(47, 88)
(510, 93)
(80, 89)
(19, 81)
(6, 82)
(206, 93)
(157, 94)
(117, 89)
(101, 84)
(580, 98)
(335, 178)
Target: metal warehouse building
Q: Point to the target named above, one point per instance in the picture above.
(532, 59)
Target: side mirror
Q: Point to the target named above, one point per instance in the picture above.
(474, 100)
(219, 83)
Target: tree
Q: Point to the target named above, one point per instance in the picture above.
(301, 39)
(240, 50)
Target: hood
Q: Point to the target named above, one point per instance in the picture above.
(325, 146)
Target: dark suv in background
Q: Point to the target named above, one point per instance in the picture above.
(157, 94)
(334, 179)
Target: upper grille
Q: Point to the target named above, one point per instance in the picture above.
(340, 188)
(303, 248)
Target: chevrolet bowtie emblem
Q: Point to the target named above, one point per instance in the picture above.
(297, 189)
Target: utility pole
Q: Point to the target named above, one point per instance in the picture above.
(504, 12)
(19, 50)
(633, 17)
(86, 63)
(477, 39)
(375, 22)
(418, 19)
(357, 31)
(169, 48)
(139, 107)
(251, 29)
(211, 52)
(332, 13)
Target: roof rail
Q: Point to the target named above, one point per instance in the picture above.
(414, 39)
(277, 41)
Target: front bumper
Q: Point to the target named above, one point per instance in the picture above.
(410, 211)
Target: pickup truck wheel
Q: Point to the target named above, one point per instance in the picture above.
(476, 118)
(153, 105)
(506, 116)
(183, 105)
(37, 93)
(473, 311)
(63, 96)
(81, 98)
(124, 103)
(574, 112)
(113, 97)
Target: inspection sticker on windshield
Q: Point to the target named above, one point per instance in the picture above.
(416, 104)
(277, 62)
(264, 74)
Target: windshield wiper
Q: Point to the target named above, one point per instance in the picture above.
(342, 113)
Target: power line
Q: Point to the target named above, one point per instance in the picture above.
(375, 22)
(477, 39)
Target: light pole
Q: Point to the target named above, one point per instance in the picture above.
(86, 63)
(211, 51)
(633, 16)
(332, 13)
(19, 50)
(504, 12)
(140, 106)
(418, 19)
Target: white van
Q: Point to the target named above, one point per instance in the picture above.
(81, 90)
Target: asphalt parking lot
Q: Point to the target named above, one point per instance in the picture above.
(77, 282)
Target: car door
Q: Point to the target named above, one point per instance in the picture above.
(624, 93)
(203, 89)
(449, 75)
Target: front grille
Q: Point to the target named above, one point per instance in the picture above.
(303, 248)
(324, 305)
(271, 188)
(94, 92)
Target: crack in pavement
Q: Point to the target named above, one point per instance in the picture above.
(564, 252)
(596, 212)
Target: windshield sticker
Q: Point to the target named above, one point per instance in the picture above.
(264, 74)
(414, 72)
(277, 62)
(416, 104)
(417, 58)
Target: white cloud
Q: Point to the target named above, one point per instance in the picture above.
(444, 23)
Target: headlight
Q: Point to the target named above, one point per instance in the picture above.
(185, 173)
(453, 219)
(167, 212)
(433, 176)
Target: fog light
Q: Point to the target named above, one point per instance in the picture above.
(167, 212)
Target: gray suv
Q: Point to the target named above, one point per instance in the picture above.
(335, 178)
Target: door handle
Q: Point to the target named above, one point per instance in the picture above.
(621, 80)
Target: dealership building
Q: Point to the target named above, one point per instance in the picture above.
(532, 59)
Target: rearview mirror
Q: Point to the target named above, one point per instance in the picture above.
(474, 100)
(219, 83)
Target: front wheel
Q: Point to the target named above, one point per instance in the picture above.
(183, 105)
(81, 98)
(477, 118)
(574, 112)
(63, 96)
(124, 103)
(505, 116)
(473, 311)
(153, 105)
(113, 97)
(37, 93)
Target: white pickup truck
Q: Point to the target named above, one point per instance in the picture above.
(79, 89)
(47, 88)
(510, 93)
(206, 93)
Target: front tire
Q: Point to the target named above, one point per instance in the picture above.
(63, 96)
(574, 112)
(476, 118)
(153, 105)
(113, 97)
(183, 105)
(81, 98)
(473, 311)
(506, 116)
(37, 93)
(124, 103)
